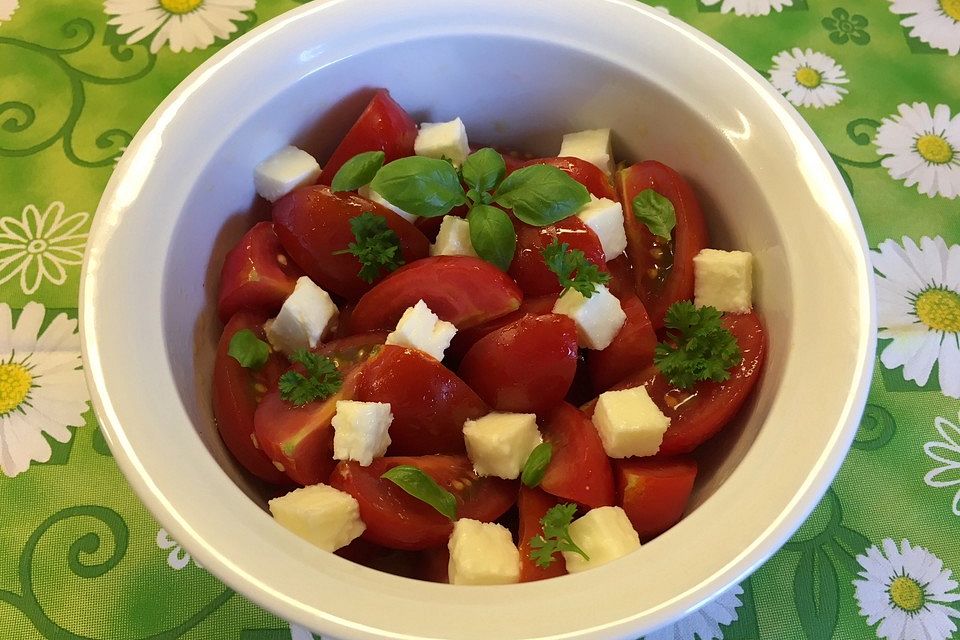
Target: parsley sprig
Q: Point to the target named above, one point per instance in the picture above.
(323, 379)
(556, 536)
(377, 246)
(573, 269)
(697, 346)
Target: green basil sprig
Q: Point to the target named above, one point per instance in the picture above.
(249, 350)
(357, 171)
(655, 211)
(492, 235)
(541, 194)
(536, 465)
(424, 488)
(425, 187)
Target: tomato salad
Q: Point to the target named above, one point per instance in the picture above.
(467, 366)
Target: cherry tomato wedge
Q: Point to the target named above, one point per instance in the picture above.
(466, 338)
(631, 350)
(587, 174)
(428, 401)
(621, 277)
(236, 392)
(257, 274)
(662, 268)
(654, 491)
(383, 126)
(528, 268)
(533, 504)
(579, 469)
(459, 289)
(526, 366)
(397, 520)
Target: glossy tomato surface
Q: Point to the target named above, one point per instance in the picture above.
(383, 126)
(533, 504)
(579, 470)
(257, 274)
(397, 520)
(654, 491)
(631, 350)
(587, 174)
(528, 268)
(466, 338)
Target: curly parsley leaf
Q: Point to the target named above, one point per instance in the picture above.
(377, 245)
(249, 350)
(357, 171)
(655, 211)
(556, 536)
(572, 268)
(697, 346)
(422, 487)
(323, 379)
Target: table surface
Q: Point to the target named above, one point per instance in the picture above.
(878, 81)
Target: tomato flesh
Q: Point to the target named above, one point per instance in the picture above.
(654, 491)
(397, 520)
(528, 268)
(579, 469)
(466, 338)
(631, 350)
(533, 504)
(587, 174)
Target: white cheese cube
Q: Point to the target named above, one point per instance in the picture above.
(443, 140)
(629, 423)
(285, 171)
(592, 145)
(604, 534)
(360, 430)
(499, 444)
(453, 239)
(482, 553)
(420, 328)
(605, 217)
(723, 279)
(598, 318)
(366, 192)
(319, 514)
(306, 316)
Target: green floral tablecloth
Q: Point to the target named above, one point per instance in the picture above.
(878, 80)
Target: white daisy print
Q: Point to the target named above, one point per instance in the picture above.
(918, 308)
(8, 8)
(178, 558)
(922, 148)
(704, 623)
(183, 25)
(936, 22)
(808, 78)
(38, 246)
(42, 390)
(904, 589)
(947, 453)
(299, 633)
(749, 7)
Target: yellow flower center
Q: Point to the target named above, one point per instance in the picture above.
(180, 7)
(907, 594)
(934, 149)
(951, 8)
(15, 384)
(808, 77)
(939, 309)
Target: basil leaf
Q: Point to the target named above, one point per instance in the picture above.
(357, 171)
(422, 186)
(492, 235)
(423, 487)
(541, 194)
(655, 211)
(484, 169)
(249, 350)
(536, 464)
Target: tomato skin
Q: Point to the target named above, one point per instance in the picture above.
(466, 338)
(314, 222)
(459, 289)
(587, 174)
(526, 366)
(579, 469)
(428, 401)
(257, 274)
(621, 277)
(654, 491)
(631, 350)
(236, 392)
(673, 272)
(382, 126)
(528, 268)
(397, 520)
(533, 504)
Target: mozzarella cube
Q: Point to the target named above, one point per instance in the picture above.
(592, 145)
(499, 444)
(482, 553)
(366, 192)
(284, 171)
(629, 423)
(443, 140)
(319, 514)
(360, 430)
(453, 239)
(605, 217)
(306, 316)
(723, 279)
(604, 534)
(598, 318)
(420, 328)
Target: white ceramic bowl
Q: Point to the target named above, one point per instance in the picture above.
(519, 74)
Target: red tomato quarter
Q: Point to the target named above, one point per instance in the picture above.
(533, 504)
(528, 268)
(654, 491)
(631, 350)
(587, 174)
(579, 469)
